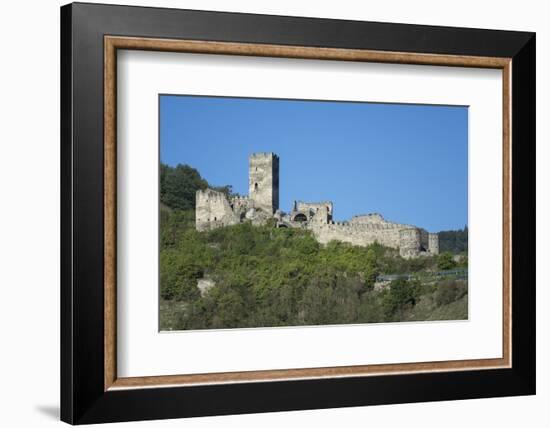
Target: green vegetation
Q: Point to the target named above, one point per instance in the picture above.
(266, 276)
(454, 241)
(445, 261)
(179, 184)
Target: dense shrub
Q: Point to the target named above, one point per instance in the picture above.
(445, 261)
(401, 294)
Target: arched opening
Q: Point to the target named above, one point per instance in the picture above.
(255, 186)
(300, 217)
(281, 225)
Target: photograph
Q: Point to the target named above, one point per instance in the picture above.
(280, 210)
(295, 212)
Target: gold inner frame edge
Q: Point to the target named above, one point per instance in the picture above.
(113, 43)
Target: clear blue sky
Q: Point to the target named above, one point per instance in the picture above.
(406, 162)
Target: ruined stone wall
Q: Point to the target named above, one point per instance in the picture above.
(313, 207)
(213, 210)
(406, 238)
(433, 243)
(241, 205)
(424, 239)
(263, 174)
(357, 234)
(375, 219)
(409, 242)
(323, 214)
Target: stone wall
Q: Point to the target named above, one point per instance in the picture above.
(424, 239)
(408, 239)
(433, 243)
(357, 234)
(311, 208)
(373, 218)
(213, 210)
(409, 242)
(241, 205)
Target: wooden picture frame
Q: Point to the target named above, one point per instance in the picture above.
(91, 390)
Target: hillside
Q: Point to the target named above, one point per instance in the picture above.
(264, 276)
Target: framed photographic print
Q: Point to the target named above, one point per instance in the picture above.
(265, 213)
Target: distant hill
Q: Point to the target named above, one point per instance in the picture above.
(454, 241)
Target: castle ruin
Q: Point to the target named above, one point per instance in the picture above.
(214, 209)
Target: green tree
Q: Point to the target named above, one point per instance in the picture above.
(401, 293)
(178, 276)
(445, 261)
(178, 186)
(371, 269)
(226, 190)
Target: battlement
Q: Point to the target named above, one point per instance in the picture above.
(314, 203)
(370, 217)
(263, 155)
(368, 226)
(208, 194)
(302, 205)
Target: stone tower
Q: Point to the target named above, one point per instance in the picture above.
(433, 243)
(263, 181)
(409, 242)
